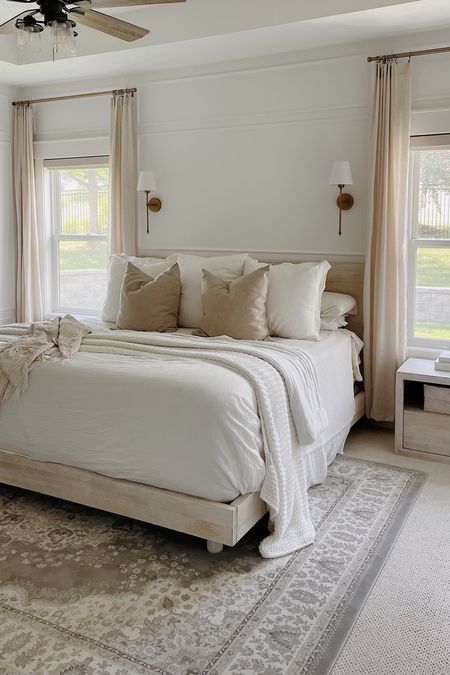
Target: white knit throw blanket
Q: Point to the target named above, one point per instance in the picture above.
(22, 347)
(286, 385)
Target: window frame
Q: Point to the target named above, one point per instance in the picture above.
(51, 166)
(418, 144)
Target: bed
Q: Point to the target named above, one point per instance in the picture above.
(204, 478)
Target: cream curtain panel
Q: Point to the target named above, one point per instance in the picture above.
(29, 298)
(385, 282)
(123, 173)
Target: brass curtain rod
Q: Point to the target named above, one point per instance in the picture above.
(408, 55)
(73, 96)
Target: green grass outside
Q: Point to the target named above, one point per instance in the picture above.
(433, 267)
(434, 331)
(82, 255)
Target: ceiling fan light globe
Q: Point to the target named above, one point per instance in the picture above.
(29, 34)
(63, 36)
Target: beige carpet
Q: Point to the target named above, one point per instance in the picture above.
(404, 626)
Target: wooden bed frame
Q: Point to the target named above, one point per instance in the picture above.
(220, 524)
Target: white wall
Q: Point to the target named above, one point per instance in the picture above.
(7, 240)
(242, 159)
(243, 152)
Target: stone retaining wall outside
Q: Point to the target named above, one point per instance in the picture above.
(433, 304)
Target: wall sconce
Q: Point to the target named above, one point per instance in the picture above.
(341, 175)
(147, 184)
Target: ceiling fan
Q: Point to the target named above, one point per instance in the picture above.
(59, 16)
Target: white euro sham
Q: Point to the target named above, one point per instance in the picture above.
(335, 307)
(294, 299)
(228, 268)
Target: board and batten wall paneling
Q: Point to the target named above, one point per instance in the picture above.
(7, 236)
(242, 158)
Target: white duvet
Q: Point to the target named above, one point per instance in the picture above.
(174, 421)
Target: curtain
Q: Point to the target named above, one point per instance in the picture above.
(386, 273)
(123, 173)
(29, 298)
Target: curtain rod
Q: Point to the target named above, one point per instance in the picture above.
(408, 55)
(73, 96)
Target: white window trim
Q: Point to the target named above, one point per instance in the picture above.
(53, 276)
(417, 346)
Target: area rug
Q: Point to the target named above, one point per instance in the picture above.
(83, 592)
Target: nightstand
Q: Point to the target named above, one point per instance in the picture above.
(418, 432)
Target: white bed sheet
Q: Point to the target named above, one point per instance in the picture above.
(173, 423)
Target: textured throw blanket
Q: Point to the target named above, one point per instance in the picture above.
(286, 386)
(22, 347)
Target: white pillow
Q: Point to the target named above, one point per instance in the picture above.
(228, 268)
(251, 265)
(294, 299)
(335, 307)
(332, 325)
(117, 268)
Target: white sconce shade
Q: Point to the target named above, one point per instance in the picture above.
(341, 173)
(147, 182)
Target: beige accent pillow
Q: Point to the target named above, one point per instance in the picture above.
(116, 272)
(236, 309)
(147, 303)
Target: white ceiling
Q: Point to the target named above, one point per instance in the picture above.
(208, 31)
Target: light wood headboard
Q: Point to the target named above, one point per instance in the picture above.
(343, 277)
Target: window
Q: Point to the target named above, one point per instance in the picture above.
(429, 244)
(79, 207)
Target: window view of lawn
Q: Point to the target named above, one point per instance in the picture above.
(433, 267)
(82, 274)
(435, 331)
(82, 255)
(431, 195)
(433, 293)
(81, 223)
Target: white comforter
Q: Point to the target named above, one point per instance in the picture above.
(154, 393)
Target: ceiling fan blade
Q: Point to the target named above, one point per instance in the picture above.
(109, 24)
(10, 26)
(104, 4)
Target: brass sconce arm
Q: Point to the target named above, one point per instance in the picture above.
(345, 202)
(154, 205)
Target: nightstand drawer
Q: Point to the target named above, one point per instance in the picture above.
(436, 399)
(426, 432)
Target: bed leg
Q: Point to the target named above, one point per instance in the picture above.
(214, 546)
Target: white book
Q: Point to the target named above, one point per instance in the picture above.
(442, 365)
(444, 357)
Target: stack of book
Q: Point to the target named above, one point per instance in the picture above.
(442, 362)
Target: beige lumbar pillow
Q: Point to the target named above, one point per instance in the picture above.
(236, 309)
(147, 303)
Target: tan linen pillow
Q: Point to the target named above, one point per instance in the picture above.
(147, 303)
(236, 309)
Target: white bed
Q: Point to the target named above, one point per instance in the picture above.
(177, 441)
(115, 403)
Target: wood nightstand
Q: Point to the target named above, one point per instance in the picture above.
(419, 433)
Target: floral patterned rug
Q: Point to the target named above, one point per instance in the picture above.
(84, 592)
